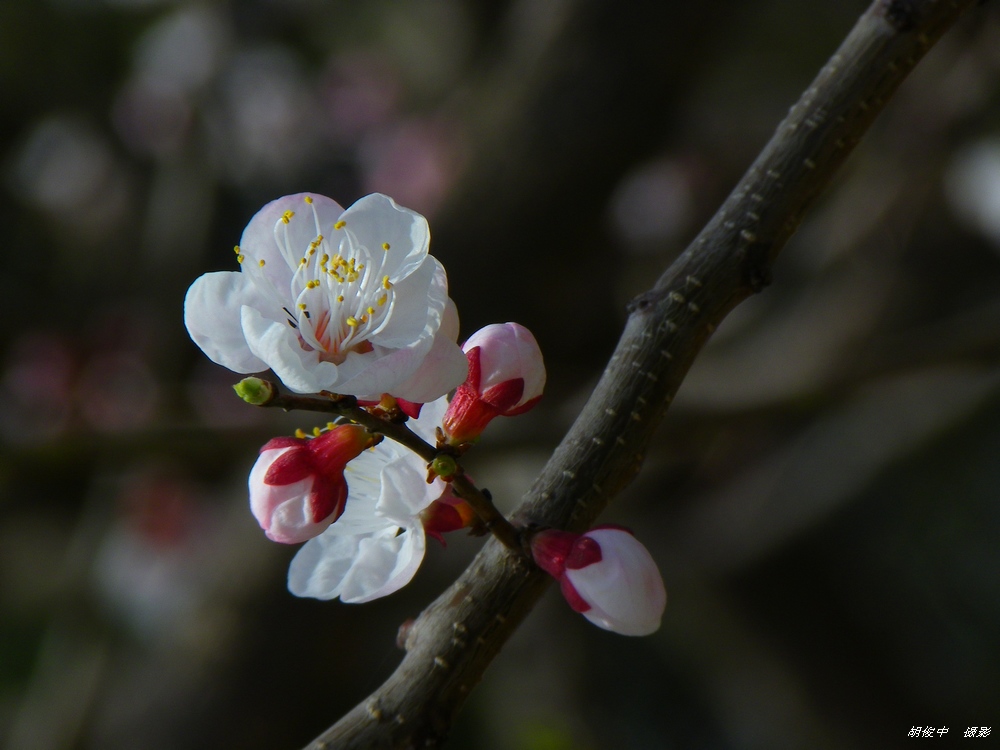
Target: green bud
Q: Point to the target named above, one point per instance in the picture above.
(444, 466)
(255, 391)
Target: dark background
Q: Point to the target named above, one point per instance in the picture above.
(822, 498)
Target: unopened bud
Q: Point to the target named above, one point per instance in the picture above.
(255, 391)
(606, 575)
(444, 466)
(506, 378)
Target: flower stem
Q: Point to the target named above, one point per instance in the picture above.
(347, 407)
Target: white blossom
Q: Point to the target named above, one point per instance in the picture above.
(343, 301)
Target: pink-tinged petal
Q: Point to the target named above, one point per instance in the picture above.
(509, 350)
(258, 241)
(384, 564)
(377, 220)
(297, 368)
(211, 315)
(532, 364)
(624, 589)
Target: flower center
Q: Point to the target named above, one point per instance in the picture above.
(341, 296)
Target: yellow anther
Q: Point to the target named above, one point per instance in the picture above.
(363, 319)
(261, 262)
(287, 216)
(352, 321)
(385, 245)
(302, 262)
(239, 258)
(340, 225)
(371, 310)
(382, 299)
(299, 433)
(317, 431)
(330, 425)
(361, 268)
(302, 305)
(236, 249)
(324, 259)
(312, 284)
(309, 199)
(386, 284)
(352, 276)
(340, 298)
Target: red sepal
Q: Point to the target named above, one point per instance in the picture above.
(328, 498)
(409, 408)
(586, 551)
(526, 406)
(576, 602)
(550, 548)
(475, 368)
(290, 467)
(504, 396)
(282, 442)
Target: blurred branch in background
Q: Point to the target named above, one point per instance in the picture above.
(136, 138)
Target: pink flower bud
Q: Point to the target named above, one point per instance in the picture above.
(606, 575)
(506, 378)
(297, 486)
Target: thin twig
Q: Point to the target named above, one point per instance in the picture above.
(347, 407)
(454, 640)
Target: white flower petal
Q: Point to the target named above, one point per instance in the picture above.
(624, 589)
(405, 491)
(377, 220)
(211, 321)
(445, 367)
(269, 340)
(384, 563)
(318, 569)
(508, 351)
(417, 308)
(430, 419)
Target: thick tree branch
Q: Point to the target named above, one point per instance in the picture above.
(453, 641)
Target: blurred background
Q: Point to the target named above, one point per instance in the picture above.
(822, 498)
